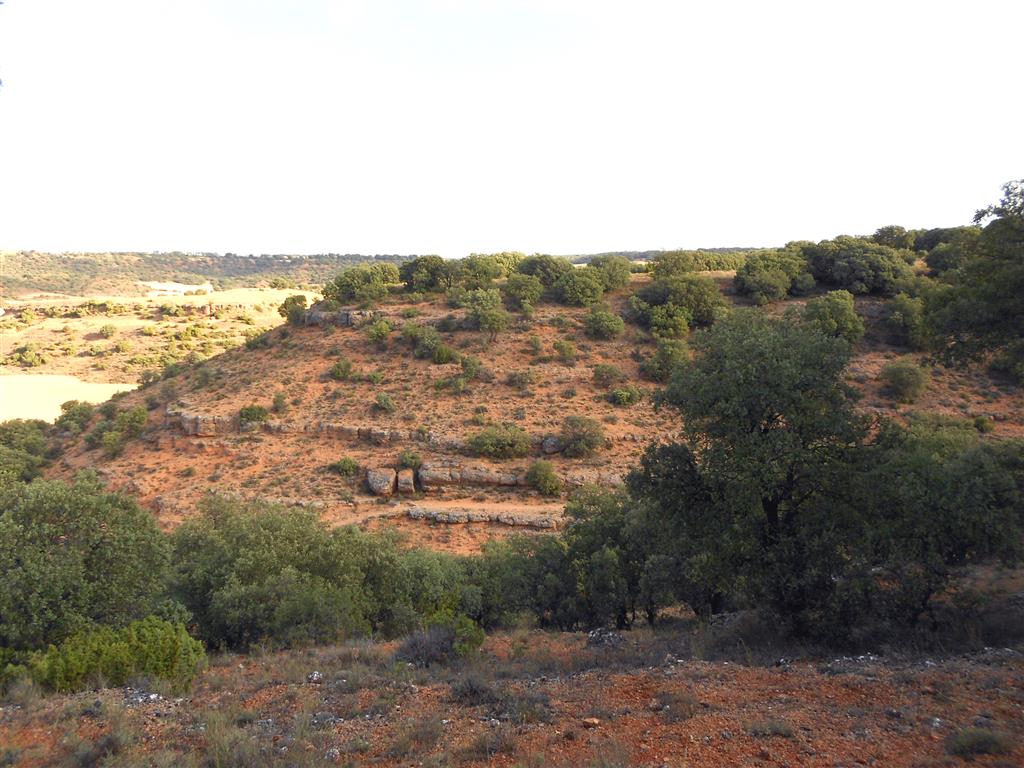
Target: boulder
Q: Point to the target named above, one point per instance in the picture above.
(406, 481)
(381, 480)
(551, 444)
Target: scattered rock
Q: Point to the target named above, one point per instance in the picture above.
(406, 481)
(604, 637)
(381, 480)
(316, 676)
(590, 722)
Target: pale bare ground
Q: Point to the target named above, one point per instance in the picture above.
(40, 395)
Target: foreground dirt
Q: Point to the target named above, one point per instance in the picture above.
(543, 699)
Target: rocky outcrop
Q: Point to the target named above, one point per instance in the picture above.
(505, 517)
(381, 480)
(343, 317)
(437, 474)
(551, 444)
(201, 424)
(406, 481)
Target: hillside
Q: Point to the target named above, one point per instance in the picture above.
(195, 444)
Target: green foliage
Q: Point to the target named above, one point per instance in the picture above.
(384, 402)
(151, 647)
(365, 284)
(378, 332)
(894, 237)
(23, 449)
(548, 269)
(859, 265)
(279, 403)
(605, 375)
(580, 287)
(484, 311)
(341, 370)
(253, 414)
(409, 459)
(676, 263)
(906, 380)
(581, 436)
(625, 396)
(769, 276)
(500, 441)
(523, 290)
(669, 354)
(602, 324)
(971, 742)
(74, 556)
(667, 307)
(903, 318)
(426, 273)
(346, 467)
(541, 475)
(519, 379)
(614, 271)
(107, 331)
(293, 309)
(566, 351)
(834, 315)
(962, 245)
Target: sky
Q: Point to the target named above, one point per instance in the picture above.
(459, 126)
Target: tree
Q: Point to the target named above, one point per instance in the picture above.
(424, 273)
(614, 271)
(293, 309)
(547, 269)
(485, 311)
(834, 315)
(981, 311)
(602, 323)
(580, 287)
(894, 236)
(73, 557)
(523, 291)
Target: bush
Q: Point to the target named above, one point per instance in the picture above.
(667, 307)
(771, 275)
(547, 269)
(581, 436)
(541, 475)
(293, 309)
(614, 271)
(904, 320)
(905, 380)
(566, 351)
(444, 354)
(151, 647)
(522, 290)
(971, 742)
(346, 467)
(365, 283)
(669, 354)
(519, 379)
(484, 311)
(676, 263)
(859, 265)
(834, 314)
(430, 647)
(409, 459)
(628, 395)
(500, 441)
(73, 556)
(384, 402)
(341, 370)
(605, 374)
(579, 287)
(108, 331)
(74, 416)
(603, 324)
(253, 414)
(379, 332)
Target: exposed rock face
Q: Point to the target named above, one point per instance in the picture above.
(551, 444)
(381, 480)
(453, 515)
(406, 481)
(436, 474)
(202, 425)
(344, 317)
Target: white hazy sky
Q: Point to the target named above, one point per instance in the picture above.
(451, 126)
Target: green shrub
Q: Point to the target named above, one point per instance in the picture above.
(903, 318)
(581, 436)
(983, 424)
(624, 396)
(905, 380)
(541, 475)
(253, 414)
(770, 275)
(108, 331)
(971, 742)
(566, 351)
(346, 467)
(858, 264)
(522, 290)
(500, 441)
(409, 459)
(520, 379)
(379, 332)
(613, 271)
(603, 324)
(535, 344)
(150, 647)
(293, 309)
(443, 353)
(280, 402)
(605, 374)
(384, 402)
(580, 287)
(669, 354)
(341, 370)
(834, 314)
(75, 415)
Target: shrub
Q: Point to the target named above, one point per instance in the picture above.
(541, 475)
(603, 324)
(858, 264)
(581, 436)
(771, 275)
(628, 395)
(535, 344)
(74, 417)
(379, 332)
(293, 309)
(769, 728)
(500, 441)
(983, 424)
(905, 380)
(613, 271)
(547, 269)
(471, 690)
(667, 307)
(365, 283)
(384, 402)
(580, 287)
(834, 314)
(444, 354)
(978, 741)
(605, 374)
(904, 320)
(669, 354)
(107, 331)
(253, 414)
(346, 467)
(522, 290)
(73, 556)
(566, 351)
(430, 647)
(484, 311)
(409, 459)
(280, 402)
(520, 379)
(150, 647)
(341, 370)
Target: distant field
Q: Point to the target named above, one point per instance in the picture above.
(39, 396)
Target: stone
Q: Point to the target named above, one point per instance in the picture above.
(590, 722)
(551, 444)
(406, 481)
(381, 480)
